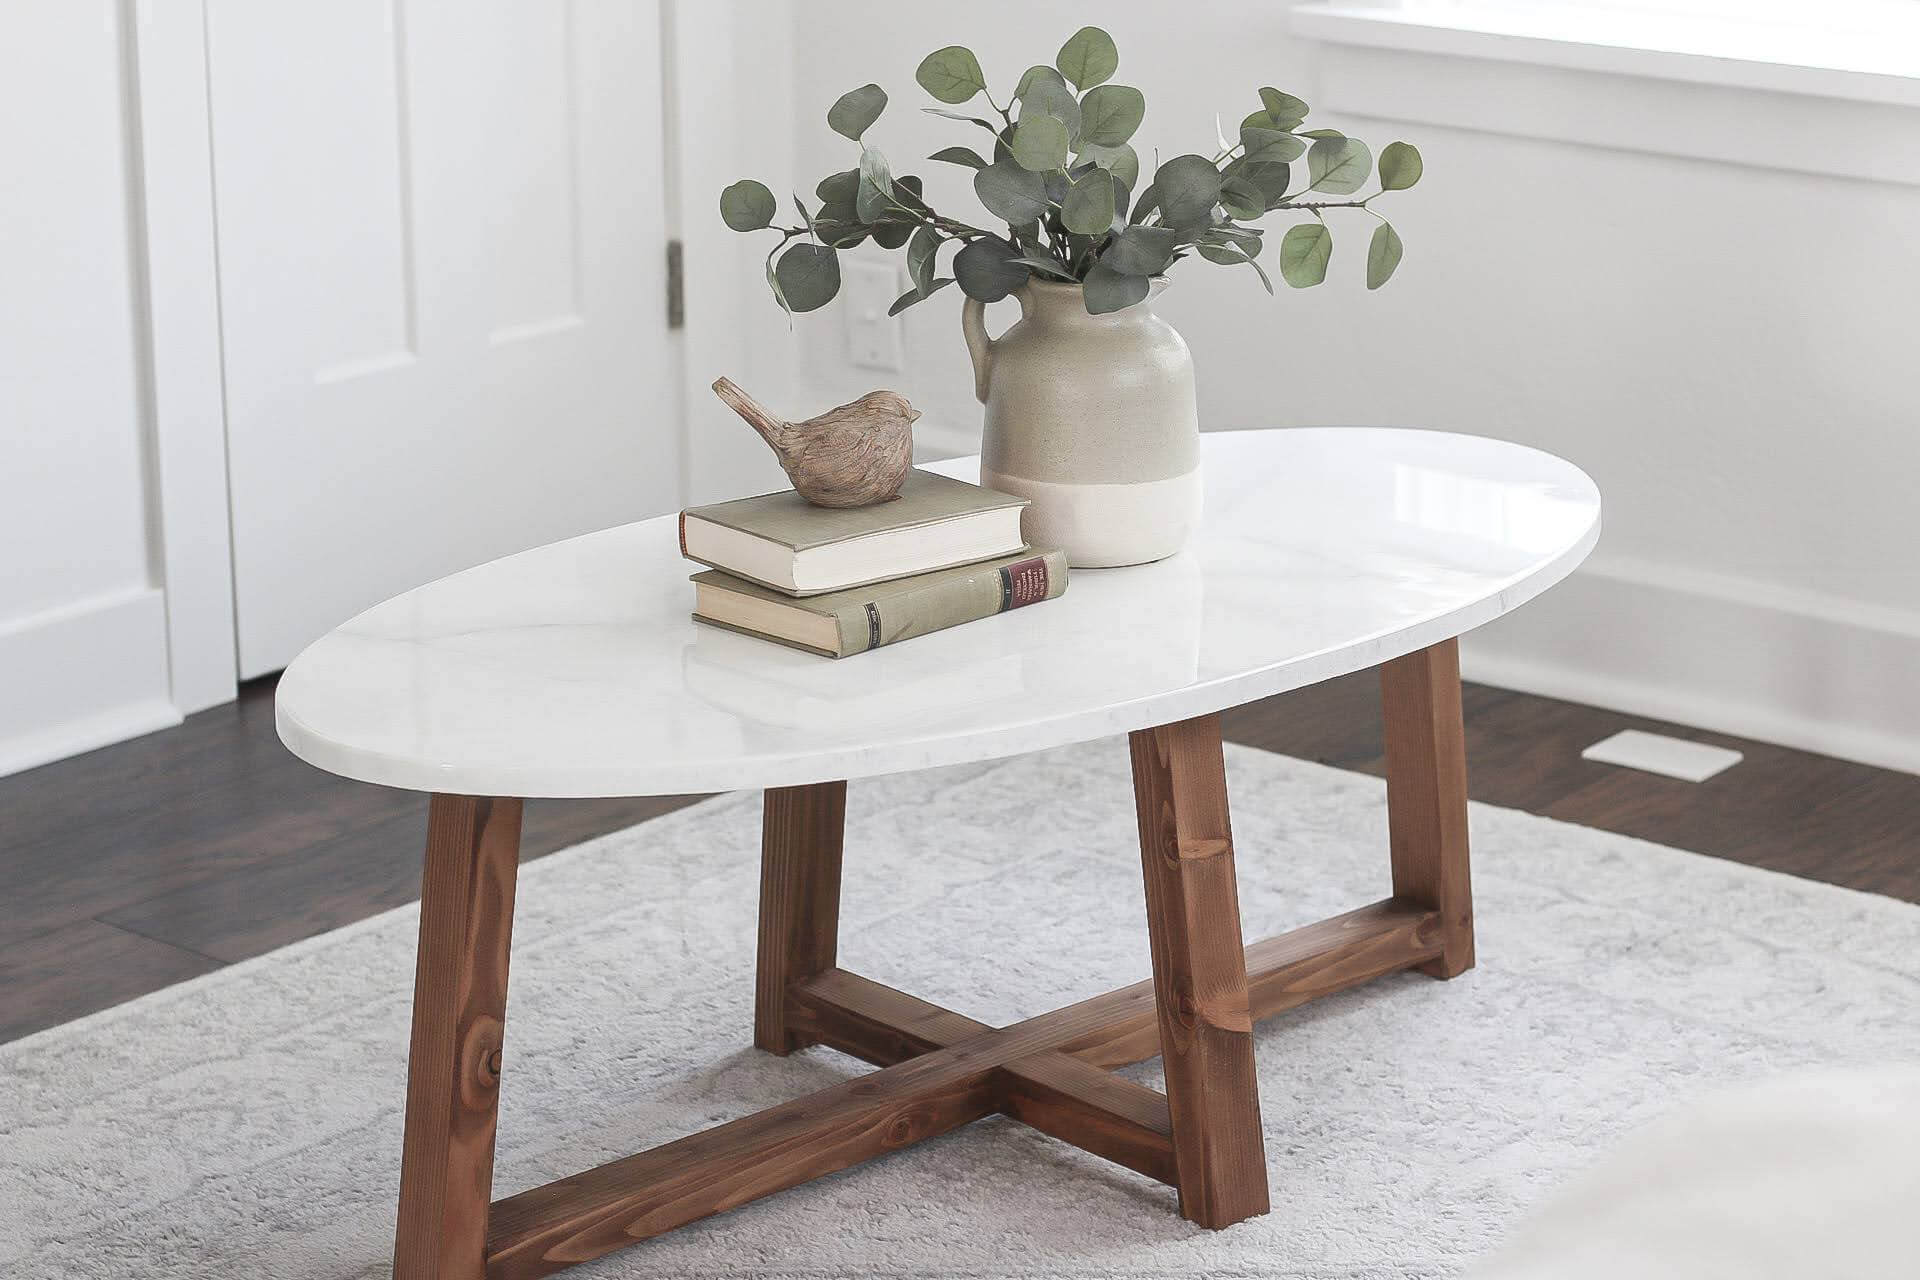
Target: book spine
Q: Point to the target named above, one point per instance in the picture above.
(887, 617)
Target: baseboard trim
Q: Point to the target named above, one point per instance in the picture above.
(1716, 652)
(83, 676)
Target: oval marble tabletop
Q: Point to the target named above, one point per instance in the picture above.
(575, 670)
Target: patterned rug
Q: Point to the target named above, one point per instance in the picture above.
(247, 1124)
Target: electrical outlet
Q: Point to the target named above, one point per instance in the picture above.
(873, 336)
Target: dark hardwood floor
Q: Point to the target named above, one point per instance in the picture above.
(139, 865)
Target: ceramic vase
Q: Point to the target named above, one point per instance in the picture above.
(1091, 418)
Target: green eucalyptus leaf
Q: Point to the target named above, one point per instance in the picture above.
(1270, 177)
(1248, 238)
(912, 296)
(856, 111)
(951, 74)
(1338, 166)
(960, 155)
(1040, 143)
(897, 223)
(779, 294)
(1148, 201)
(1284, 109)
(840, 235)
(988, 269)
(1141, 251)
(1320, 133)
(1107, 290)
(1046, 266)
(1015, 195)
(1003, 143)
(1241, 198)
(876, 186)
(1110, 114)
(1383, 255)
(1187, 188)
(1230, 255)
(808, 275)
(921, 251)
(1304, 251)
(1033, 75)
(1261, 120)
(1269, 146)
(1400, 166)
(838, 192)
(1121, 194)
(1046, 94)
(988, 125)
(1088, 208)
(1088, 58)
(1121, 161)
(748, 205)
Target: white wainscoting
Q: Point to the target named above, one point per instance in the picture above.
(1716, 652)
(82, 676)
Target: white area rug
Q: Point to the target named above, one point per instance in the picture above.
(247, 1124)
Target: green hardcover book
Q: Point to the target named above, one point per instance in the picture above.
(846, 622)
(782, 541)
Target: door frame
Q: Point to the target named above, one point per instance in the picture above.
(728, 327)
(170, 156)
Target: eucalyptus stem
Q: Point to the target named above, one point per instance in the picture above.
(1312, 205)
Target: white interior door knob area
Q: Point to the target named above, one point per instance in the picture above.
(441, 233)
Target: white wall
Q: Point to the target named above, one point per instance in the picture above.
(732, 69)
(82, 624)
(1728, 350)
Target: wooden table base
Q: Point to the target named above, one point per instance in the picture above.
(938, 1069)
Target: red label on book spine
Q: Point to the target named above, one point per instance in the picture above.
(1024, 582)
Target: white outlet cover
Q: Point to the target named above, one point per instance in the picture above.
(873, 336)
(1657, 753)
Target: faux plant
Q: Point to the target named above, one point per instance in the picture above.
(1060, 174)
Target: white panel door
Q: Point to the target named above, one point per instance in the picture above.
(442, 243)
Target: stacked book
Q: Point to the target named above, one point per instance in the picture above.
(839, 581)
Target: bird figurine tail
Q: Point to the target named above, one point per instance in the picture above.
(774, 430)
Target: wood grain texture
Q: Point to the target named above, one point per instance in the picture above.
(802, 834)
(1283, 972)
(459, 1012)
(1063, 1097)
(1426, 752)
(1199, 970)
(573, 1219)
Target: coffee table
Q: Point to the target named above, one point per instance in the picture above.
(574, 670)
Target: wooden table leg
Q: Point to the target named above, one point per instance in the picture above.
(1199, 971)
(459, 1013)
(1427, 795)
(801, 833)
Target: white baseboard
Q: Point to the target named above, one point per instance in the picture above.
(83, 676)
(1714, 652)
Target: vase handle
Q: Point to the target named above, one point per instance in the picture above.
(973, 324)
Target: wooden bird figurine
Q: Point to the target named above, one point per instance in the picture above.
(853, 456)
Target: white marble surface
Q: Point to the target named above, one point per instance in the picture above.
(574, 669)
